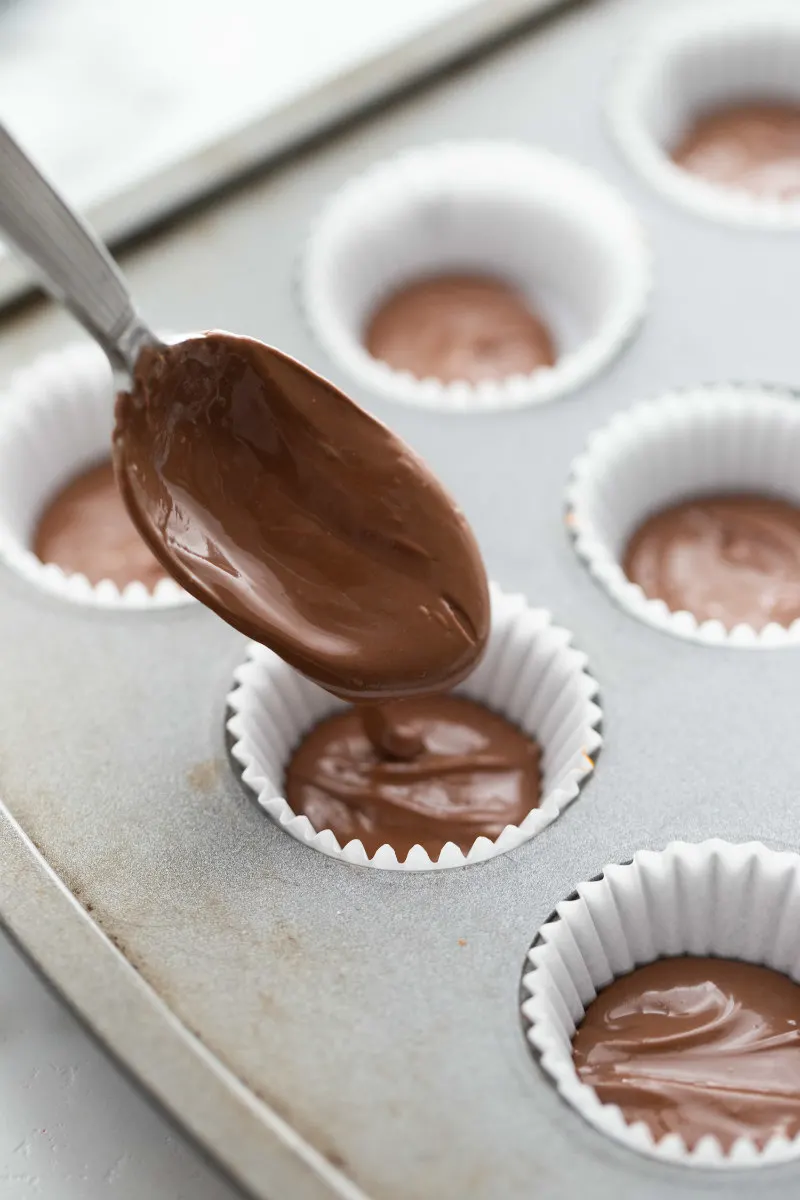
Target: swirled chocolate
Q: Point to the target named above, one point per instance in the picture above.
(735, 559)
(459, 327)
(754, 147)
(300, 519)
(86, 529)
(697, 1046)
(424, 771)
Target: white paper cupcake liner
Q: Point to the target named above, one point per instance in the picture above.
(549, 227)
(708, 900)
(700, 59)
(56, 421)
(530, 674)
(704, 440)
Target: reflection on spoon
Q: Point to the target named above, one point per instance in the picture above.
(300, 519)
(263, 490)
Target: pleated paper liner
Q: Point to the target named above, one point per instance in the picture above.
(521, 214)
(709, 900)
(530, 674)
(56, 422)
(695, 61)
(703, 440)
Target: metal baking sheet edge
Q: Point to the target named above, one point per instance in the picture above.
(247, 1138)
(208, 168)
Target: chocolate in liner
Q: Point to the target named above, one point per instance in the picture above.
(754, 147)
(300, 519)
(731, 558)
(86, 528)
(459, 327)
(697, 1046)
(431, 770)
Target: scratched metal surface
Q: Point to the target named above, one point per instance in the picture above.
(330, 1030)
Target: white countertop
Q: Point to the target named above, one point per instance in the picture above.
(72, 1127)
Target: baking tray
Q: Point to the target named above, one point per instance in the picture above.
(158, 105)
(331, 1031)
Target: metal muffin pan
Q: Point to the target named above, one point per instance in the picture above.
(325, 1030)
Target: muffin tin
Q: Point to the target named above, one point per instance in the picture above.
(323, 1029)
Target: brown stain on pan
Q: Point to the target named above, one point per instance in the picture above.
(205, 775)
(281, 941)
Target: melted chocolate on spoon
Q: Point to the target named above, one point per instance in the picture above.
(299, 519)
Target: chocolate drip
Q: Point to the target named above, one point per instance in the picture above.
(463, 772)
(391, 730)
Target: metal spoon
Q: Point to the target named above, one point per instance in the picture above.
(69, 259)
(267, 493)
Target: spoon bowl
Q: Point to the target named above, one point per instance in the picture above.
(299, 519)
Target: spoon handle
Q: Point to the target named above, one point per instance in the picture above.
(71, 261)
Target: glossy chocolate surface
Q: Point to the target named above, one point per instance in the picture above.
(300, 519)
(697, 1046)
(733, 558)
(463, 327)
(754, 147)
(431, 770)
(86, 528)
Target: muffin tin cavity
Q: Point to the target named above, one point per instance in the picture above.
(704, 62)
(530, 674)
(714, 899)
(701, 442)
(518, 215)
